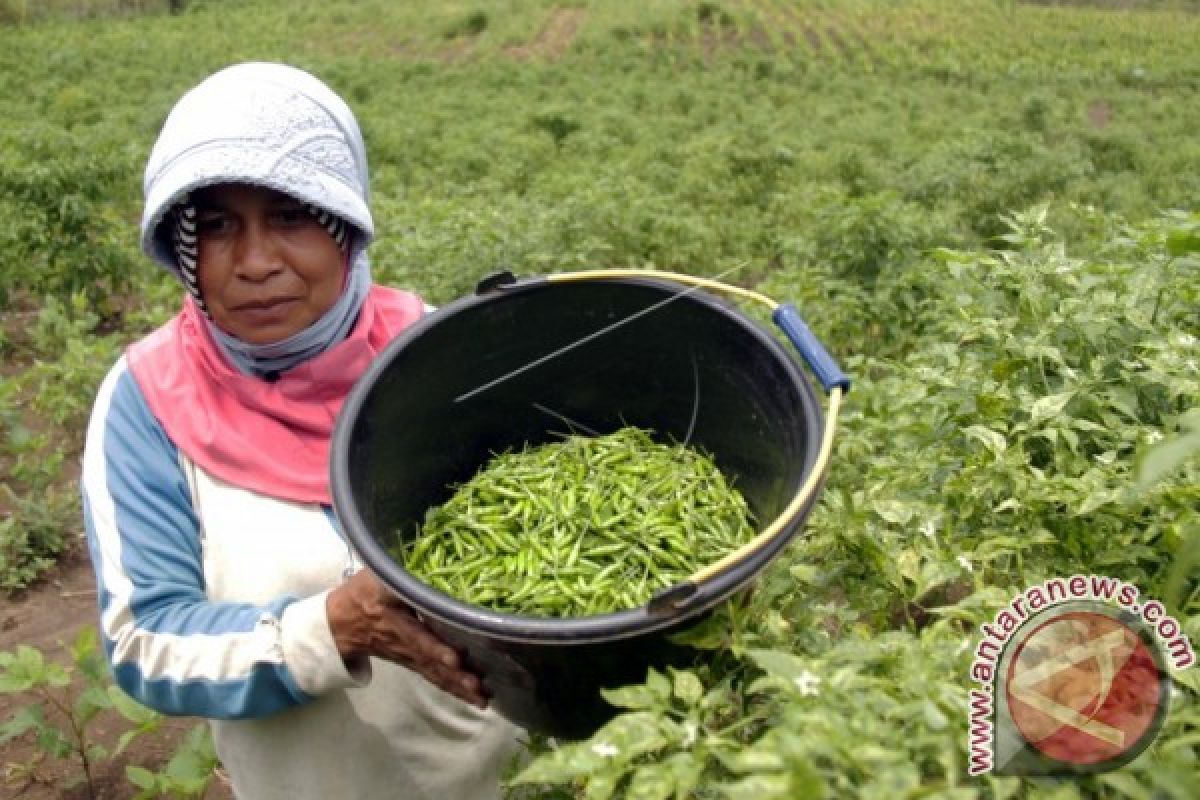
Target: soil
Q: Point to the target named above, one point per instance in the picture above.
(1099, 113)
(48, 616)
(554, 38)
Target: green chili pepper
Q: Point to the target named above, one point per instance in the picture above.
(587, 525)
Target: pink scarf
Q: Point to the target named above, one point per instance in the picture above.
(272, 438)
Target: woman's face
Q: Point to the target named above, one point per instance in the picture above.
(267, 268)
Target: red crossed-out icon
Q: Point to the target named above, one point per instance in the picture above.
(1084, 689)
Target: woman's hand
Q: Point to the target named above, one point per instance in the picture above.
(367, 619)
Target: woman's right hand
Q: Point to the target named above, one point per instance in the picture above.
(368, 619)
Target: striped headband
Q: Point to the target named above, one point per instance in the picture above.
(187, 249)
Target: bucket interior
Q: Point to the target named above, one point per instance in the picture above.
(532, 361)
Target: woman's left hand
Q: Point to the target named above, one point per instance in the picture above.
(368, 619)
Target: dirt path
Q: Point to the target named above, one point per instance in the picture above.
(54, 610)
(554, 38)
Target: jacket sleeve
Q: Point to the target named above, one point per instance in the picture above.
(169, 646)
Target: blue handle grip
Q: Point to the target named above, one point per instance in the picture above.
(823, 366)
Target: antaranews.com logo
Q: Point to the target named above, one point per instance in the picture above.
(1075, 677)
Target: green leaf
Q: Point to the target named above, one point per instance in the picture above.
(990, 439)
(129, 708)
(53, 742)
(688, 687)
(125, 740)
(141, 777)
(1174, 782)
(1188, 677)
(1050, 406)
(1005, 368)
(792, 671)
(603, 785)
(90, 702)
(193, 763)
(934, 718)
(96, 753)
(85, 644)
(24, 669)
(601, 758)
(805, 573)
(187, 785)
(686, 770)
(658, 683)
(893, 511)
(1126, 784)
(1169, 454)
(621, 740)
(651, 782)
(29, 659)
(25, 719)
(632, 697)
(628, 736)
(57, 675)
(709, 634)
(1003, 787)
(86, 655)
(14, 683)
(1098, 499)
(758, 787)
(760, 758)
(559, 765)
(1182, 241)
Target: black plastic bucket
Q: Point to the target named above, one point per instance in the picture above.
(523, 364)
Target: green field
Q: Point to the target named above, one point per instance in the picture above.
(986, 209)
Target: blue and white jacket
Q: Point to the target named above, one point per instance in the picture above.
(212, 604)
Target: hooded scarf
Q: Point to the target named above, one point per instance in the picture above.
(261, 417)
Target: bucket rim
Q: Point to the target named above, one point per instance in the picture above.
(430, 603)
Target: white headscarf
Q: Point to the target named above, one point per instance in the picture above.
(278, 127)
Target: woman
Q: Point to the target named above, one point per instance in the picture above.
(226, 590)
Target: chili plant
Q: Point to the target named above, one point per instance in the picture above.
(62, 714)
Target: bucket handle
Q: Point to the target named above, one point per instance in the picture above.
(834, 381)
